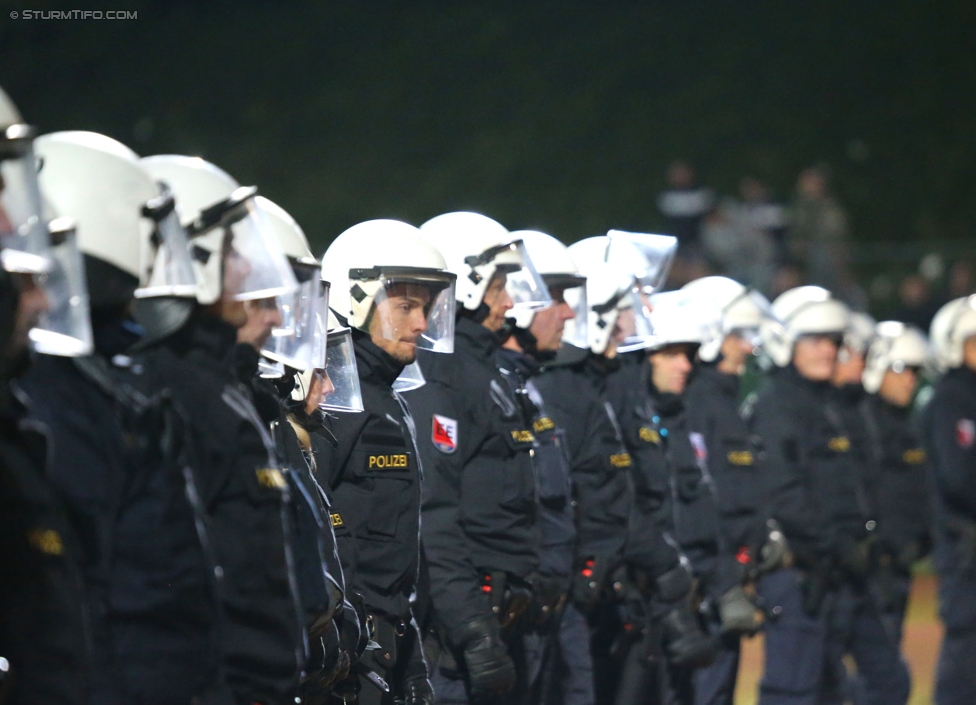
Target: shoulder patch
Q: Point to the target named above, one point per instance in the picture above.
(965, 433)
(444, 433)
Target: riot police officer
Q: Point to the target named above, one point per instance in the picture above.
(392, 289)
(950, 443)
(43, 639)
(818, 496)
(712, 400)
(559, 637)
(891, 374)
(480, 530)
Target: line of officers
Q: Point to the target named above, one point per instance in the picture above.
(445, 464)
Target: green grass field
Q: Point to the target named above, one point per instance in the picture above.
(923, 634)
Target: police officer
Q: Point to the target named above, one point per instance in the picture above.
(43, 639)
(236, 259)
(560, 654)
(893, 364)
(392, 289)
(480, 528)
(712, 400)
(818, 497)
(950, 442)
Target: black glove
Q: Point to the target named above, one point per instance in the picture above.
(353, 633)
(490, 669)
(417, 691)
(775, 552)
(685, 644)
(737, 612)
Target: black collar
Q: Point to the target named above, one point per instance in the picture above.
(374, 363)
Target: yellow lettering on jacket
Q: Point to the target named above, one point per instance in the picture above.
(620, 460)
(840, 444)
(270, 478)
(46, 541)
(650, 435)
(382, 462)
(543, 424)
(336, 520)
(915, 456)
(740, 457)
(523, 435)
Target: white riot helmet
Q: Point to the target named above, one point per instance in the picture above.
(681, 318)
(475, 247)
(23, 232)
(861, 329)
(742, 311)
(952, 325)
(555, 265)
(615, 253)
(607, 299)
(234, 249)
(300, 341)
(896, 346)
(371, 261)
(804, 310)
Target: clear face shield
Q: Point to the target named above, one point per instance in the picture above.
(340, 390)
(299, 341)
(648, 257)
(635, 320)
(171, 272)
(411, 378)
(65, 329)
(522, 282)
(254, 266)
(412, 306)
(23, 232)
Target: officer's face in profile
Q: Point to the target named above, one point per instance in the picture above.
(320, 387)
(548, 324)
(850, 367)
(625, 327)
(498, 301)
(235, 269)
(263, 317)
(398, 320)
(736, 349)
(670, 367)
(815, 357)
(897, 388)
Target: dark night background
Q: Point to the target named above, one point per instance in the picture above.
(556, 115)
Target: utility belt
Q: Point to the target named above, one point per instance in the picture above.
(388, 634)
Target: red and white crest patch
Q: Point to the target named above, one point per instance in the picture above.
(444, 433)
(965, 433)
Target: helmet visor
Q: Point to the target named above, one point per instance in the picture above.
(340, 391)
(270, 369)
(409, 305)
(254, 265)
(23, 232)
(522, 282)
(648, 257)
(638, 332)
(171, 272)
(65, 329)
(411, 378)
(298, 342)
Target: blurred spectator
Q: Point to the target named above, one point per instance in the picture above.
(684, 205)
(788, 276)
(916, 304)
(962, 281)
(760, 213)
(819, 235)
(738, 248)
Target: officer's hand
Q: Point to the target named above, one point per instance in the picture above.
(684, 641)
(775, 552)
(417, 691)
(737, 612)
(490, 669)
